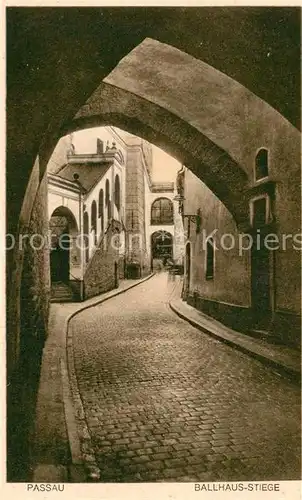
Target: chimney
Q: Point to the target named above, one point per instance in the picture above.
(99, 146)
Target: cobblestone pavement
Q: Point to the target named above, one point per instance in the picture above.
(165, 402)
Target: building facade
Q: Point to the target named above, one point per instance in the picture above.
(85, 205)
(244, 276)
(107, 219)
(165, 228)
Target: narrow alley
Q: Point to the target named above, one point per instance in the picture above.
(165, 402)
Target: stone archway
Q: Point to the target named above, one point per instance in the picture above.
(65, 256)
(161, 247)
(208, 130)
(197, 114)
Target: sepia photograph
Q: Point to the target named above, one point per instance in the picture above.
(153, 246)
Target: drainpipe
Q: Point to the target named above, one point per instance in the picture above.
(81, 192)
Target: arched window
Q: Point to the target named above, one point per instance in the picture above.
(261, 164)
(101, 203)
(117, 193)
(107, 192)
(162, 212)
(210, 259)
(93, 220)
(107, 199)
(86, 235)
(101, 208)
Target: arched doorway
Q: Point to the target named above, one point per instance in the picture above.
(161, 248)
(64, 254)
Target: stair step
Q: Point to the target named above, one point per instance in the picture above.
(61, 300)
(61, 292)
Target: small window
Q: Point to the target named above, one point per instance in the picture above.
(260, 211)
(210, 259)
(261, 164)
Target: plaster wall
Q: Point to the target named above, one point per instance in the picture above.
(231, 282)
(58, 197)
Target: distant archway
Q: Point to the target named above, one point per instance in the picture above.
(162, 246)
(64, 251)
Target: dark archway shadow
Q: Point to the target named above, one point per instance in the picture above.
(162, 125)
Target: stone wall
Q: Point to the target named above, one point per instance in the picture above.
(228, 296)
(136, 248)
(27, 329)
(29, 283)
(231, 281)
(35, 287)
(99, 276)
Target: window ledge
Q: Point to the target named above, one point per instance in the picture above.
(161, 223)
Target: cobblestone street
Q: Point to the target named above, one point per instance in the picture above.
(165, 402)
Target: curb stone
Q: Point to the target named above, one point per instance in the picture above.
(285, 370)
(80, 442)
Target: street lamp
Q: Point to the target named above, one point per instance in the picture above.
(180, 200)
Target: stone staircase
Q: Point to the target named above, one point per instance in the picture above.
(61, 292)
